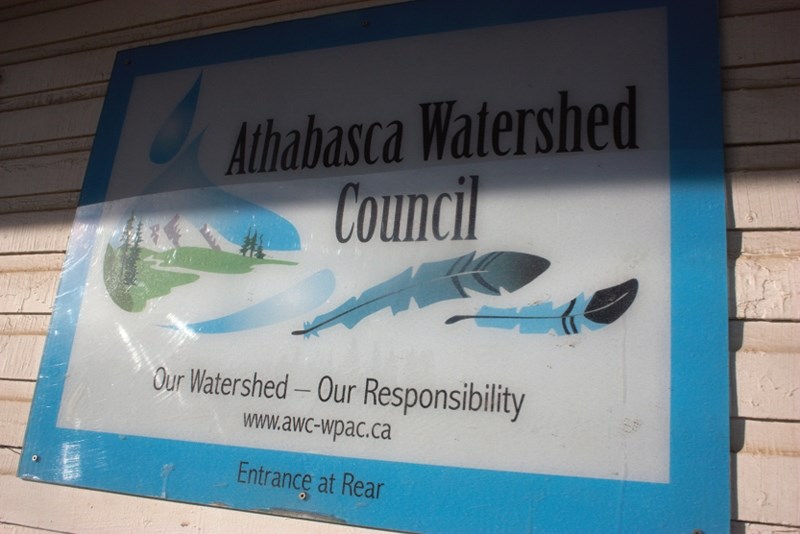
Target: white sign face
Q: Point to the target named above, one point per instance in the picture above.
(317, 252)
(442, 266)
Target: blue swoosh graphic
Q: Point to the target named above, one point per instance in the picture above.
(302, 298)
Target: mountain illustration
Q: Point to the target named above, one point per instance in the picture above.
(173, 232)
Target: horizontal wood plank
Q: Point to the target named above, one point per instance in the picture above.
(764, 243)
(761, 116)
(15, 403)
(760, 336)
(22, 339)
(9, 528)
(732, 8)
(766, 438)
(46, 202)
(766, 288)
(46, 231)
(741, 527)
(31, 263)
(765, 366)
(66, 509)
(28, 292)
(760, 38)
(42, 174)
(52, 122)
(56, 96)
(28, 283)
(21, 355)
(766, 467)
(780, 156)
(765, 385)
(765, 199)
(765, 275)
(47, 148)
(24, 325)
(14, 9)
(761, 77)
(51, 74)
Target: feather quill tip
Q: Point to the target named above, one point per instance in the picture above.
(306, 332)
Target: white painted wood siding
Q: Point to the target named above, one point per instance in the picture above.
(55, 61)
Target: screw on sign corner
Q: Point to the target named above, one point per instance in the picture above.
(303, 496)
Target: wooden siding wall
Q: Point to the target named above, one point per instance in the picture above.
(55, 61)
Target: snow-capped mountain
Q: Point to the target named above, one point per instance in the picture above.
(176, 231)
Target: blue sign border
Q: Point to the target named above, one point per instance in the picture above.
(431, 498)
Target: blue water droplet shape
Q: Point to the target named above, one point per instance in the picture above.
(173, 133)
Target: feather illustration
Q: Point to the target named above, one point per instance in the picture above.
(606, 306)
(434, 282)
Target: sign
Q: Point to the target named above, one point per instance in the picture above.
(426, 267)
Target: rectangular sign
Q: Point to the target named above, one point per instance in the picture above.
(432, 266)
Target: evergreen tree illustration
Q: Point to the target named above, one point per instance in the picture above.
(246, 244)
(125, 246)
(134, 252)
(260, 250)
(251, 246)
